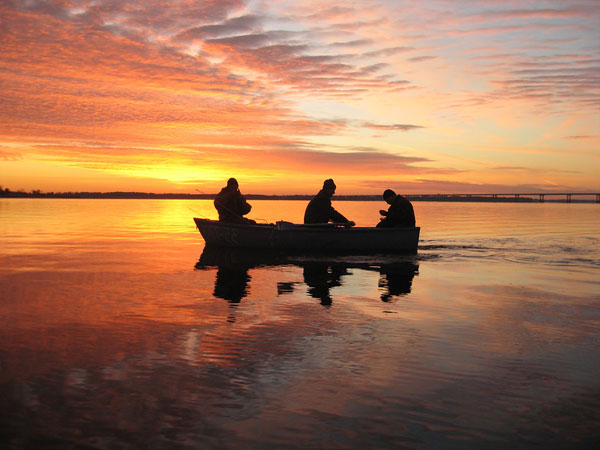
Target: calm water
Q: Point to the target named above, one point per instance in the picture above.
(119, 331)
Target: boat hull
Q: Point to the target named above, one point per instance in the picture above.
(298, 237)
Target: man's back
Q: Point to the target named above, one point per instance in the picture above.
(401, 213)
(317, 210)
(231, 205)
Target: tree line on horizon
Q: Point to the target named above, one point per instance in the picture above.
(126, 194)
(37, 193)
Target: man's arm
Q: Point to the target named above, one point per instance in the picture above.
(245, 207)
(338, 217)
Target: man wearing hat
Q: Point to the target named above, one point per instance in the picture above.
(399, 214)
(319, 209)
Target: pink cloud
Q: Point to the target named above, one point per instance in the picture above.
(234, 26)
(540, 13)
(500, 30)
(392, 127)
(353, 43)
(421, 58)
(582, 137)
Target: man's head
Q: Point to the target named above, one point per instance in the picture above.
(232, 183)
(329, 186)
(389, 196)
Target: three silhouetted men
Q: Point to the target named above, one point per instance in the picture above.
(232, 205)
(399, 214)
(319, 209)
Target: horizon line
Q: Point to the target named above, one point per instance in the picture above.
(512, 196)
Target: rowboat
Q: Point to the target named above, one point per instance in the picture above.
(314, 237)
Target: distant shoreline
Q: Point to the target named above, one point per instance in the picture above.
(509, 198)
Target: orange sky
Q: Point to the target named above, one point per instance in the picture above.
(422, 97)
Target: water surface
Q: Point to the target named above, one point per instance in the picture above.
(118, 329)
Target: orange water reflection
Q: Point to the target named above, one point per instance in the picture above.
(110, 338)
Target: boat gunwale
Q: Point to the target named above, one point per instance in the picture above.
(212, 222)
(301, 227)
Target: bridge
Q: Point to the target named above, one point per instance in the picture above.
(541, 196)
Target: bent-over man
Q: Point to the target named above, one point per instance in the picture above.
(319, 209)
(399, 214)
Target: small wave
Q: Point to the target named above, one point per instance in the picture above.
(514, 250)
(453, 247)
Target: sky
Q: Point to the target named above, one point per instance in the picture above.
(423, 96)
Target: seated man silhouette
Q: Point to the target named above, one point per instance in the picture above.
(399, 214)
(319, 209)
(232, 205)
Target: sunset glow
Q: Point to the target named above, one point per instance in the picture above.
(424, 97)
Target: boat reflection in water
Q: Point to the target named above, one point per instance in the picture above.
(321, 272)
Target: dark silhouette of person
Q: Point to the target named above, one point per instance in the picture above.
(397, 279)
(231, 283)
(319, 209)
(232, 279)
(399, 214)
(232, 205)
(320, 278)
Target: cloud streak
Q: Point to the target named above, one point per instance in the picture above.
(7, 155)
(433, 186)
(393, 127)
